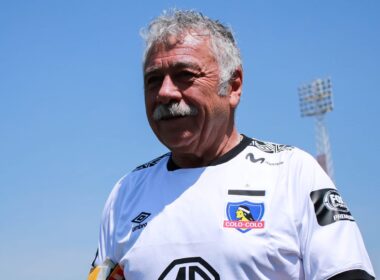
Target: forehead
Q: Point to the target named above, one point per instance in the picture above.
(190, 49)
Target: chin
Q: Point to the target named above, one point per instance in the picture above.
(178, 142)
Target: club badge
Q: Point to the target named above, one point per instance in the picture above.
(244, 216)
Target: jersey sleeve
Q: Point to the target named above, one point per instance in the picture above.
(330, 241)
(106, 250)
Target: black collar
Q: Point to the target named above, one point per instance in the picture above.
(224, 158)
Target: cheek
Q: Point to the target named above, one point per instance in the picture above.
(209, 84)
(149, 103)
(149, 110)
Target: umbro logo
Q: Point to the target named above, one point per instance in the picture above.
(139, 219)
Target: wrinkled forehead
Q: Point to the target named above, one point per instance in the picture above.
(170, 41)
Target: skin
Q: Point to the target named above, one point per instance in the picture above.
(186, 71)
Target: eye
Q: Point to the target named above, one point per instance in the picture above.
(185, 76)
(153, 81)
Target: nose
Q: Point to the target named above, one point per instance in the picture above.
(168, 92)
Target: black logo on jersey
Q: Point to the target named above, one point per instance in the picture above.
(251, 157)
(151, 163)
(139, 219)
(269, 147)
(189, 269)
(329, 207)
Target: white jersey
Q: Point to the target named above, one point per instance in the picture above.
(263, 211)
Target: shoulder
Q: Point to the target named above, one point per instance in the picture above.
(276, 154)
(270, 151)
(152, 162)
(290, 158)
(132, 180)
(270, 147)
(139, 174)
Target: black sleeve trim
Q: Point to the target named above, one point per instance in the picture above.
(96, 255)
(355, 274)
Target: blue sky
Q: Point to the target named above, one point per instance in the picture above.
(72, 118)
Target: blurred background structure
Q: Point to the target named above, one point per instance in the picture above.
(315, 100)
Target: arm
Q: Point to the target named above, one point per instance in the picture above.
(331, 244)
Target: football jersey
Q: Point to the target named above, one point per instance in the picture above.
(261, 211)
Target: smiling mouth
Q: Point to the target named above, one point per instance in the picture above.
(168, 117)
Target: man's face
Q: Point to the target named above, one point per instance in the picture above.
(186, 74)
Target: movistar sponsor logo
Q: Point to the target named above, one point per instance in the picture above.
(252, 158)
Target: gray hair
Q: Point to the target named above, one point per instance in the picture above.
(180, 23)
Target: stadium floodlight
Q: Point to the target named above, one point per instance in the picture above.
(315, 100)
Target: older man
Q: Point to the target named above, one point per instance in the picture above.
(220, 205)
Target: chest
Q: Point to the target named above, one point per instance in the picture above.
(238, 223)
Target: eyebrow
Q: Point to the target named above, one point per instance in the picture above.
(176, 65)
(186, 64)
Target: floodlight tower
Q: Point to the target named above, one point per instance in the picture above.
(315, 101)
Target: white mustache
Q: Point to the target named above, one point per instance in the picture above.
(171, 110)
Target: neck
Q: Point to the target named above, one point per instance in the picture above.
(215, 151)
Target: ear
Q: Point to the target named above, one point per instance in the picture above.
(236, 85)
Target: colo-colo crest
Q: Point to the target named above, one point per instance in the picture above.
(244, 216)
